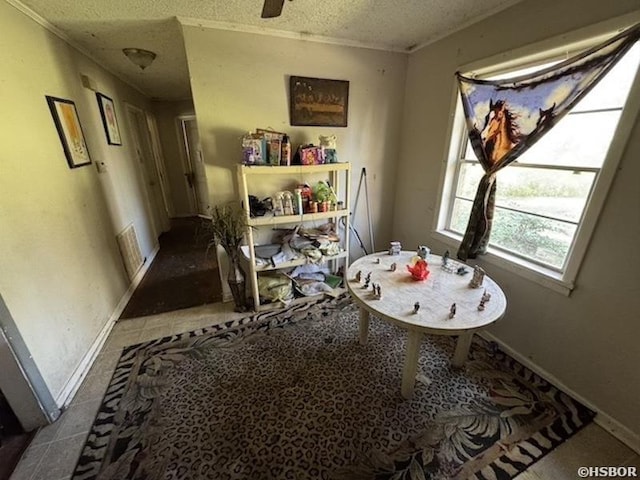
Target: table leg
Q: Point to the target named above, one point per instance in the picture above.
(411, 363)
(364, 325)
(462, 349)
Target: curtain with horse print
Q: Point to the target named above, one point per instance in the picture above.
(505, 117)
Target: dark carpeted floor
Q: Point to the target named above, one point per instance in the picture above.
(183, 274)
(13, 440)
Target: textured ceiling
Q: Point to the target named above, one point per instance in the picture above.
(104, 28)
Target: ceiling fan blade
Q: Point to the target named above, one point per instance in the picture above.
(272, 8)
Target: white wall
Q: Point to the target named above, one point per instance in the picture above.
(61, 273)
(240, 82)
(589, 341)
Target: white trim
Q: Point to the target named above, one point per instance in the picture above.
(43, 22)
(219, 25)
(611, 425)
(455, 128)
(618, 430)
(562, 282)
(604, 180)
(185, 160)
(155, 212)
(531, 271)
(158, 157)
(73, 384)
(68, 40)
(310, 37)
(562, 45)
(471, 21)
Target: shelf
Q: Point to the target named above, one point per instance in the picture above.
(339, 175)
(307, 217)
(299, 300)
(293, 263)
(292, 169)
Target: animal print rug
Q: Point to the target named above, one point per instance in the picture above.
(292, 395)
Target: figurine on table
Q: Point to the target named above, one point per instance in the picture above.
(481, 304)
(478, 277)
(423, 252)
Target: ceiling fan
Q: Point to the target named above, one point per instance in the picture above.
(272, 8)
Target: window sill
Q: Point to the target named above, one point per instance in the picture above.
(540, 275)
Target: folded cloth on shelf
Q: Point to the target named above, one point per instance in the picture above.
(309, 268)
(330, 249)
(313, 254)
(276, 287)
(315, 288)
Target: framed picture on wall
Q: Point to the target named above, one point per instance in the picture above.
(65, 117)
(109, 120)
(318, 102)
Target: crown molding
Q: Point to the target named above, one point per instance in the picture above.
(464, 25)
(235, 27)
(43, 22)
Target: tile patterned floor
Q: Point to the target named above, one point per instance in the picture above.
(55, 449)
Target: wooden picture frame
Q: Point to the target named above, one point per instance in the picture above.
(65, 117)
(109, 120)
(318, 102)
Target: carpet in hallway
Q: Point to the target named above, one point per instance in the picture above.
(182, 275)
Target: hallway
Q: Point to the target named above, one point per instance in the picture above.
(183, 274)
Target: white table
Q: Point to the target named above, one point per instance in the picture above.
(436, 294)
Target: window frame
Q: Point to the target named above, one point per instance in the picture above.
(562, 281)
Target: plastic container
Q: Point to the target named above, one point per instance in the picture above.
(285, 157)
(297, 196)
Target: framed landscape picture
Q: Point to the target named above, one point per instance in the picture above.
(109, 120)
(318, 102)
(65, 117)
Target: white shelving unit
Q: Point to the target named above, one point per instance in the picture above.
(302, 174)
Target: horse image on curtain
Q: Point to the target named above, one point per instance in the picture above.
(506, 117)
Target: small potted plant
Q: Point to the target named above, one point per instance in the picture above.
(227, 227)
(324, 195)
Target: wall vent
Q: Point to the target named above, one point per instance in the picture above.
(130, 250)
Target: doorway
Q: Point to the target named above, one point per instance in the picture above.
(25, 400)
(150, 174)
(193, 165)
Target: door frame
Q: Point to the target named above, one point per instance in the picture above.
(158, 157)
(158, 218)
(187, 163)
(20, 380)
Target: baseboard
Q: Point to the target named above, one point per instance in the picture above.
(78, 376)
(622, 433)
(614, 427)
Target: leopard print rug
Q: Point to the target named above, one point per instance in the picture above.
(293, 395)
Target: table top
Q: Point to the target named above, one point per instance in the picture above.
(436, 294)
